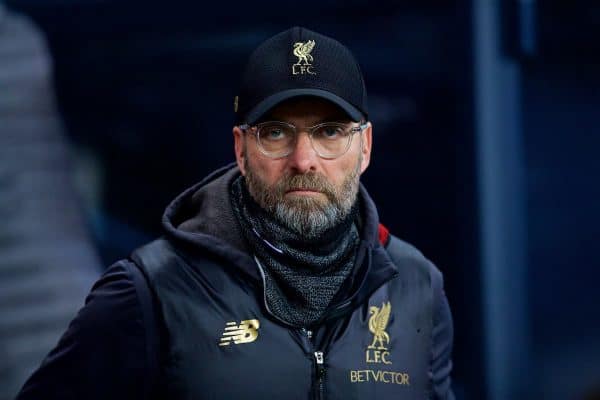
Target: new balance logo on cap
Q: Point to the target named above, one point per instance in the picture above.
(245, 332)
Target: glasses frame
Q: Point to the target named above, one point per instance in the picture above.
(255, 130)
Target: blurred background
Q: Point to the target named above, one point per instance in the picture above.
(486, 143)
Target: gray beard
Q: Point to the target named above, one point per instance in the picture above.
(306, 216)
(308, 219)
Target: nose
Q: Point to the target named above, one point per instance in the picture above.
(303, 158)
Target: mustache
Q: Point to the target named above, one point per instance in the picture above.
(309, 181)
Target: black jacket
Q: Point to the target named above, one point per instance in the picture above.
(185, 318)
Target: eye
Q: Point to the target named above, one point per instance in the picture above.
(275, 133)
(331, 132)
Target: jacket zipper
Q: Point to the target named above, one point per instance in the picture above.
(319, 363)
(318, 355)
(320, 369)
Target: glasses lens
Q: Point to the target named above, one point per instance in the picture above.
(331, 139)
(276, 139)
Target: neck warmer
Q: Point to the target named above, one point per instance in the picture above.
(301, 275)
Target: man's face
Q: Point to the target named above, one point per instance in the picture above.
(307, 193)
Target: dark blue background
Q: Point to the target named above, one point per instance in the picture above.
(148, 89)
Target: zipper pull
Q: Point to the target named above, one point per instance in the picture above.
(319, 357)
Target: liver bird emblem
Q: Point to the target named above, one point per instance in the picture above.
(377, 324)
(302, 51)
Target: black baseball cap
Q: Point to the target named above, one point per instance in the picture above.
(300, 62)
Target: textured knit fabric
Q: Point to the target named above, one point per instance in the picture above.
(301, 276)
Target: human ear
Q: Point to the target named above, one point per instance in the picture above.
(366, 142)
(239, 147)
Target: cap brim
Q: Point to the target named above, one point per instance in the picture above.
(267, 104)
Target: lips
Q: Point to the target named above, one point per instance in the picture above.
(303, 190)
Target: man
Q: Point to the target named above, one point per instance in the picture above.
(274, 278)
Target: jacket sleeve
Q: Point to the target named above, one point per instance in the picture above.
(104, 352)
(442, 337)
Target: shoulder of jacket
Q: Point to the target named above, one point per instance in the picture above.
(153, 256)
(405, 255)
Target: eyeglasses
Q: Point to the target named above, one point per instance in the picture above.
(278, 139)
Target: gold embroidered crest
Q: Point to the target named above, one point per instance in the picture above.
(378, 352)
(305, 59)
(377, 324)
